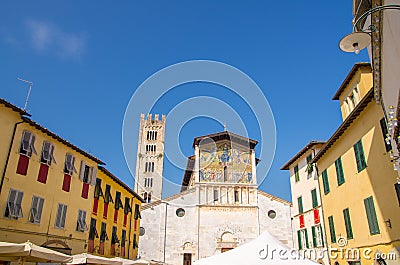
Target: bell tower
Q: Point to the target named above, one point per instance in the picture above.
(150, 157)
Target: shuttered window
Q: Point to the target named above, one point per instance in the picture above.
(14, 204)
(371, 216)
(302, 237)
(325, 182)
(347, 222)
(137, 212)
(103, 232)
(61, 215)
(360, 158)
(47, 153)
(69, 165)
(318, 240)
(118, 202)
(114, 237)
(332, 229)
(339, 171)
(81, 225)
(386, 137)
(314, 198)
(127, 207)
(300, 204)
(27, 144)
(93, 231)
(35, 214)
(123, 238)
(296, 173)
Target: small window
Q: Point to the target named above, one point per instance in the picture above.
(88, 174)
(236, 194)
(180, 212)
(69, 166)
(98, 192)
(28, 144)
(347, 222)
(123, 238)
(61, 214)
(371, 216)
(81, 225)
(314, 198)
(271, 214)
(93, 231)
(127, 207)
(300, 204)
(360, 157)
(137, 212)
(114, 237)
(14, 204)
(325, 182)
(215, 195)
(339, 171)
(47, 153)
(309, 158)
(317, 236)
(332, 229)
(296, 173)
(107, 196)
(35, 214)
(118, 202)
(103, 232)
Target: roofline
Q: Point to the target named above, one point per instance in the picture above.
(369, 97)
(300, 153)
(14, 108)
(252, 142)
(274, 197)
(116, 179)
(349, 77)
(55, 136)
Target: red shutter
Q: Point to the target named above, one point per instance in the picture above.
(42, 177)
(85, 190)
(112, 252)
(135, 225)
(105, 212)
(125, 218)
(115, 216)
(122, 253)
(66, 183)
(91, 246)
(101, 249)
(95, 205)
(23, 164)
(301, 217)
(316, 217)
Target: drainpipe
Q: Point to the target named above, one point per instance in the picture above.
(8, 155)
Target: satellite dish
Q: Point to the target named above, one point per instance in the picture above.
(355, 42)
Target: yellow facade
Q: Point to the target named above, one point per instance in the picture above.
(362, 184)
(33, 205)
(124, 220)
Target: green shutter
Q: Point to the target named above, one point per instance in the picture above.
(306, 234)
(299, 239)
(371, 216)
(309, 158)
(314, 236)
(332, 229)
(347, 221)
(325, 181)
(385, 134)
(300, 203)
(360, 157)
(314, 198)
(339, 171)
(296, 173)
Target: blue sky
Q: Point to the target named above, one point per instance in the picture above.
(87, 58)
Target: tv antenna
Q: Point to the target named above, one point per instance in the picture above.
(29, 91)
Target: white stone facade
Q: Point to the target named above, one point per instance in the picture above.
(219, 207)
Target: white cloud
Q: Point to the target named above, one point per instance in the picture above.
(46, 37)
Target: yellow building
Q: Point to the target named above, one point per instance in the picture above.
(47, 185)
(115, 222)
(359, 190)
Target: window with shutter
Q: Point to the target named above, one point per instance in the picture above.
(300, 204)
(397, 188)
(360, 157)
(386, 137)
(66, 182)
(299, 241)
(127, 207)
(47, 153)
(93, 231)
(135, 243)
(371, 216)
(114, 238)
(27, 144)
(137, 212)
(98, 192)
(35, 212)
(325, 182)
(339, 171)
(69, 166)
(314, 198)
(81, 225)
(296, 173)
(14, 204)
(332, 229)
(103, 232)
(123, 238)
(107, 195)
(347, 222)
(23, 164)
(61, 215)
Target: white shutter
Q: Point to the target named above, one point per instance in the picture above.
(20, 194)
(58, 216)
(39, 209)
(73, 164)
(82, 172)
(94, 176)
(32, 143)
(64, 214)
(26, 141)
(51, 154)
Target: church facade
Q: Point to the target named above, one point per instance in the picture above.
(218, 208)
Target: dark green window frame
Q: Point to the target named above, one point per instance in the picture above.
(332, 229)
(309, 158)
(371, 216)
(325, 182)
(314, 198)
(339, 171)
(360, 157)
(296, 173)
(347, 222)
(300, 204)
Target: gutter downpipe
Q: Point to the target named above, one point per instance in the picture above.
(8, 155)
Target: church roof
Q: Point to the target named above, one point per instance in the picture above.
(226, 135)
(188, 173)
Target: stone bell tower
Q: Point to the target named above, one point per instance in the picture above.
(150, 157)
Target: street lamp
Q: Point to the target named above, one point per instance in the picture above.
(358, 40)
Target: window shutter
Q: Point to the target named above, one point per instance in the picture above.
(39, 209)
(299, 239)
(82, 171)
(58, 216)
(32, 143)
(94, 176)
(325, 182)
(64, 214)
(347, 222)
(51, 154)
(332, 229)
(306, 234)
(314, 236)
(314, 198)
(19, 204)
(371, 216)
